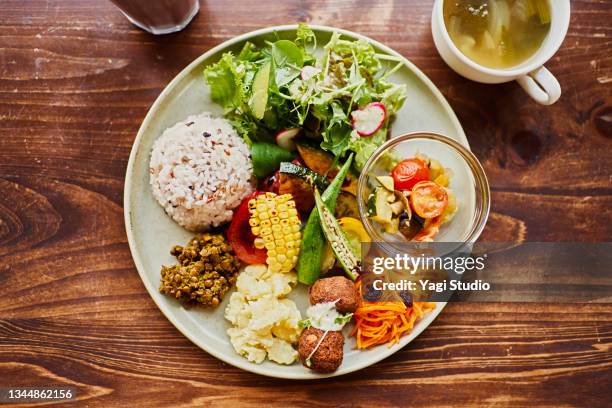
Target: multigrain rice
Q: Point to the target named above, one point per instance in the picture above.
(200, 171)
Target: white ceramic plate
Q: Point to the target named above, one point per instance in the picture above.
(151, 233)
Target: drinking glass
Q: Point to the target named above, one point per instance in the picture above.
(159, 16)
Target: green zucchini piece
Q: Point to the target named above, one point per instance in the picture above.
(305, 174)
(335, 236)
(379, 208)
(322, 162)
(313, 240)
(386, 182)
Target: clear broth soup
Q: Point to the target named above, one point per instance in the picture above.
(497, 33)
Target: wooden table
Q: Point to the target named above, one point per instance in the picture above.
(76, 80)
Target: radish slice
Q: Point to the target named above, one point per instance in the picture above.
(284, 138)
(308, 72)
(368, 120)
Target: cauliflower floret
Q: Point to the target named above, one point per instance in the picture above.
(282, 283)
(286, 332)
(282, 352)
(251, 286)
(247, 344)
(235, 307)
(258, 271)
(265, 313)
(265, 323)
(287, 328)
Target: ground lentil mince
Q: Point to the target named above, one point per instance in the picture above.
(207, 269)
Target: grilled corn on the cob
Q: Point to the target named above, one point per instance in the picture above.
(275, 223)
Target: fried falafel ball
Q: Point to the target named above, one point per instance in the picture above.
(335, 288)
(328, 356)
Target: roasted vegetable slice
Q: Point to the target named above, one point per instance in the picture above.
(392, 226)
(346, 206)
(305, 174)
(321, 162)
(410, 226)
(355, 234)
(315, 159)
(299, 188)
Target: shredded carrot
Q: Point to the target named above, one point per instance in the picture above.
(385, 322)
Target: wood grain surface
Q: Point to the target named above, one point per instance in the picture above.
(76, 80)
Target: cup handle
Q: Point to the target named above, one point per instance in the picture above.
(541, 85)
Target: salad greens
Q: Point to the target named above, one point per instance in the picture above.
(284, 84)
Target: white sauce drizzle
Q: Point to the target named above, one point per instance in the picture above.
(314, 350)
(323, 316)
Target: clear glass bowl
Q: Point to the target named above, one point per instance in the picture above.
(468, 182)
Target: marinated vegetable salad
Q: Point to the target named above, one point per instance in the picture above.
(273, 184)
(414, 199)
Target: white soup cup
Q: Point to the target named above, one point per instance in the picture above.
(535, 79)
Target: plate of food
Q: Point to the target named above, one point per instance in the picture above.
(241, 203)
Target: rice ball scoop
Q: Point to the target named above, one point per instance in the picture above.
(200, 170)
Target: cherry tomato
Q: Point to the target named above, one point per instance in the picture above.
(271, 183)
(428, 199)
(241, 238)
(428, 233)
(409, 172)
